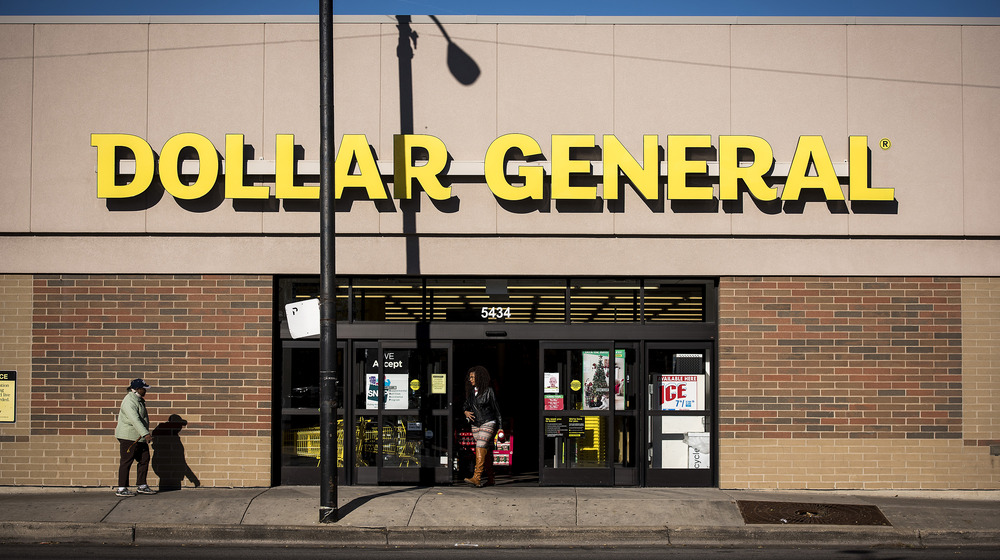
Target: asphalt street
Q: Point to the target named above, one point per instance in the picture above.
(70, 552)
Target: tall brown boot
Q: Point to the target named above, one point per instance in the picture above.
(480, 461)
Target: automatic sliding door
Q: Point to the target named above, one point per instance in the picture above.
(402, 413)
(587, 414)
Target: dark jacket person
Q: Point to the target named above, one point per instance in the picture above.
(483, 413)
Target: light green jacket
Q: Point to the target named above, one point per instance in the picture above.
(133, 422)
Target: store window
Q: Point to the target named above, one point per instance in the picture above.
(605, 301)
(674, 301)
(497, 300)
(387, 299)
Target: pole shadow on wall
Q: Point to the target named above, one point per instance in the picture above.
(168, 460)
(465, 70)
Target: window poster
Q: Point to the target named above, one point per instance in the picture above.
(371, 403)
(599, 379)
(395, 367)
(681, 392)
(396, 395)
(551, 382)
(556, 427)
(553, 402)
(698, 449)
(439, 383)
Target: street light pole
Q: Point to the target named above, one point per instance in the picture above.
(327, 284)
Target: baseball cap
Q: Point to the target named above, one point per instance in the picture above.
(138, 384)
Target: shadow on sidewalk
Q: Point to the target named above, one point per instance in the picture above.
(354, 504)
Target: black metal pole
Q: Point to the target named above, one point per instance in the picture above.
(327, 284)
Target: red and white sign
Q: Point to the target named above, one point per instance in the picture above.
(679, 392)
(553, 402)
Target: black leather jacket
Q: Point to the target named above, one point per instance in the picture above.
(484, 408)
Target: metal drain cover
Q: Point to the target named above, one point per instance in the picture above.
(803, 513)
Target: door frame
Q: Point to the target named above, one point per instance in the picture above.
(379, 473)
(589, 476)
(659, 477)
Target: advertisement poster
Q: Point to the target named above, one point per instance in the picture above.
(576, 426)
(599, 379)
(556, 427)
(8, 393)
(553, 402)
(395, 366)
(372, 401)
(680, 392)
(396, 394)
(551, 382)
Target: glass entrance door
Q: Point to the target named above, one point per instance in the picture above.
(402, 420)
(679, 415)
(588, 413)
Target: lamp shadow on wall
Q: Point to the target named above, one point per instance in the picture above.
(464, 69)
(168, 461)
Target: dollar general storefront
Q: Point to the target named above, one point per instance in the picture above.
(752, 254)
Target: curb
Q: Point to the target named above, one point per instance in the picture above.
(938, 539)
(49, 531)
(284, 535)
(796, 535)
(491, 537)
(526, 537)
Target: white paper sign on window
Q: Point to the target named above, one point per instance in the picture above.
(681, 392)
(698, 449)
(396, 396)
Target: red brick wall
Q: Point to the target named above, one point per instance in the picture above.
(840, 358)
(202, 342)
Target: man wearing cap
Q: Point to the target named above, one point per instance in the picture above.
(134, 438)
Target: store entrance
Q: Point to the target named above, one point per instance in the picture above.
(513, 367)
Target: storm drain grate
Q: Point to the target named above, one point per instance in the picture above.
(818, 514)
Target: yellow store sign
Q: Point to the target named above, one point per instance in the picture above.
(508, 168)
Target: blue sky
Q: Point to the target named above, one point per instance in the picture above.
(897, 8)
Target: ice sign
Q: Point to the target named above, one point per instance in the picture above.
(680, 392)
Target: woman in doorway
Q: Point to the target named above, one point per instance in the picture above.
(483, 413)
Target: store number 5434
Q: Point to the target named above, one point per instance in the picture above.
(495, 312)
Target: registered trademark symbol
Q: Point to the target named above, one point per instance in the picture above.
(885, 144)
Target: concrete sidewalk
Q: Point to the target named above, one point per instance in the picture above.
(500, 516)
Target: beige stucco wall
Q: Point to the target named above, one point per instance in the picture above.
(929, 88)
